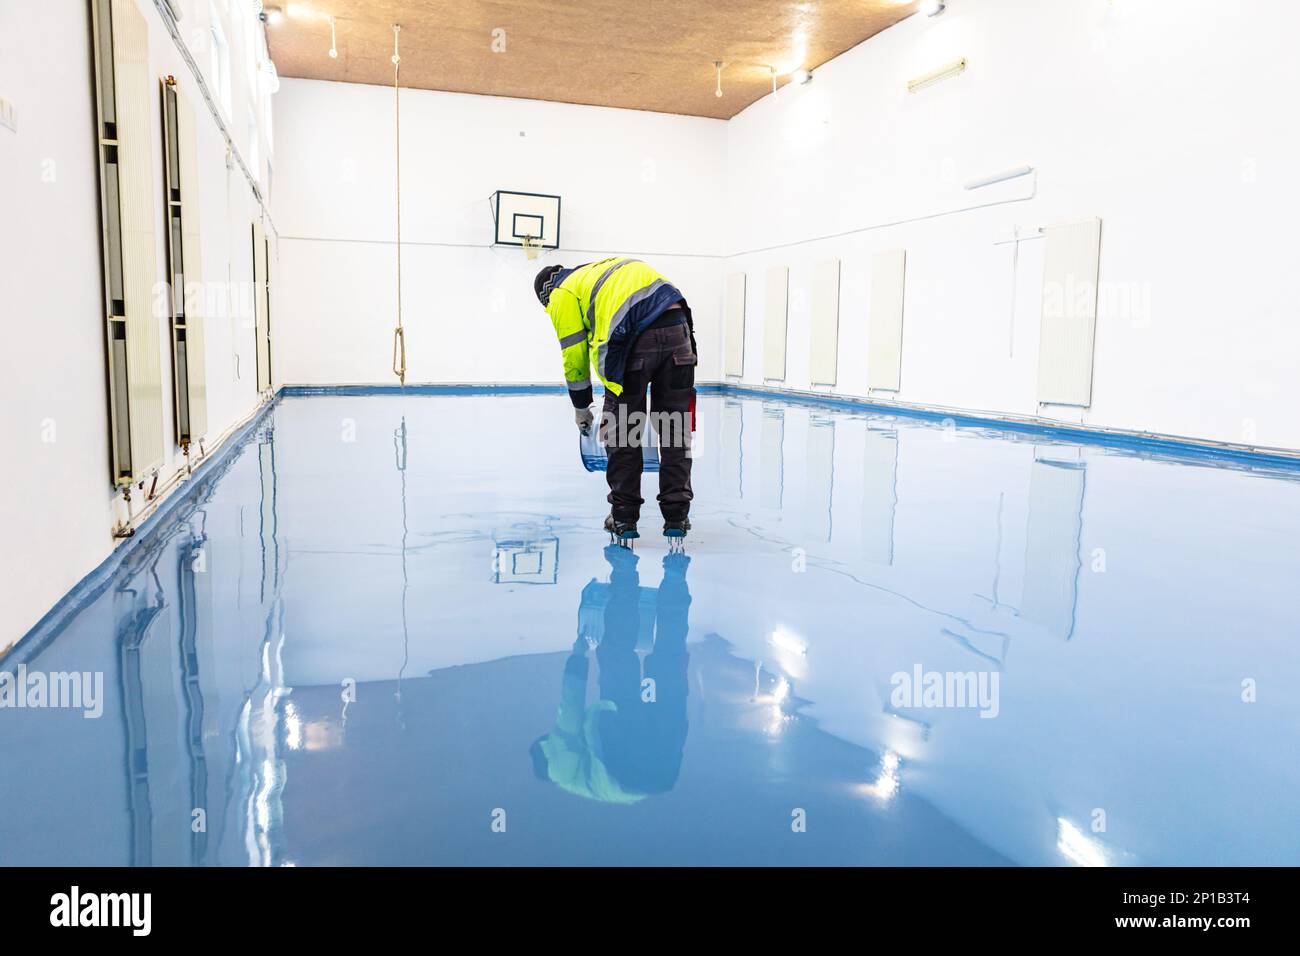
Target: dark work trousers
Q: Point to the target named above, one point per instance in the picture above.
(663, 360)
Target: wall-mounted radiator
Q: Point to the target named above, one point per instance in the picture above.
(127, 213)
(824, 341)
(185, 264)
(735, 325)
(1069, 321)
(885, 320)
(774, 323)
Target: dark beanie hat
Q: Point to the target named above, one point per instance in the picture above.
(545, 282)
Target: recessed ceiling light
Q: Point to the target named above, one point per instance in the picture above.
(801, 76)
(932, 8)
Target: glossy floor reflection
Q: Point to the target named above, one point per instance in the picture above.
(389, 631)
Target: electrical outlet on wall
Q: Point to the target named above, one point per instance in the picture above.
(8, 118)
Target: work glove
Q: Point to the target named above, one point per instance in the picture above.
(584, 418)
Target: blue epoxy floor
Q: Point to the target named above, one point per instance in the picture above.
(436, 560)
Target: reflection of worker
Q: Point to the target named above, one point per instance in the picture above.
(635, 328)
(628, 744)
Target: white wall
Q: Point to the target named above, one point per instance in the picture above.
(637, 183)
(1170, 122)
(58, 505)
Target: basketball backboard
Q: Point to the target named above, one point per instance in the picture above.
(525, 219)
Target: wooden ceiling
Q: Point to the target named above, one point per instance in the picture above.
(637, 54)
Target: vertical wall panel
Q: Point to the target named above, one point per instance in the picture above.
(196, 302)
(885, 320)
(139, 212)
(1069, 320)
(776, 301)
(261, 307)
(824, 347)
(735, 325)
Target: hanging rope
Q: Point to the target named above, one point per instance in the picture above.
(399, 333)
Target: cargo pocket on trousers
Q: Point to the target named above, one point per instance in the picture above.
(683, 373)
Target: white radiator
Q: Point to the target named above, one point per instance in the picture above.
(138, 207)
(1070, 270)
(196, 354)
(824, 346)
(735, 325)
(185, 262)
(885, 320)
(774, 323)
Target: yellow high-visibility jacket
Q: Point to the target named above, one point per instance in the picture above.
(598, 311)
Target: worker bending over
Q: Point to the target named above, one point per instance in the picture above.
(626, 321)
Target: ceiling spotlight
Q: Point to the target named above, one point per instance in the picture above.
(932, 8)
(801, 76)
(272, 15)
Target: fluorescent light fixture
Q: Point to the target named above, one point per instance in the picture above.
(1001, 177)
(932, 8)
(956, 68)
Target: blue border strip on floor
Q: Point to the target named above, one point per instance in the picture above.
(298, 391)
(85, 591)
(1186, 448)
(1081, 435)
